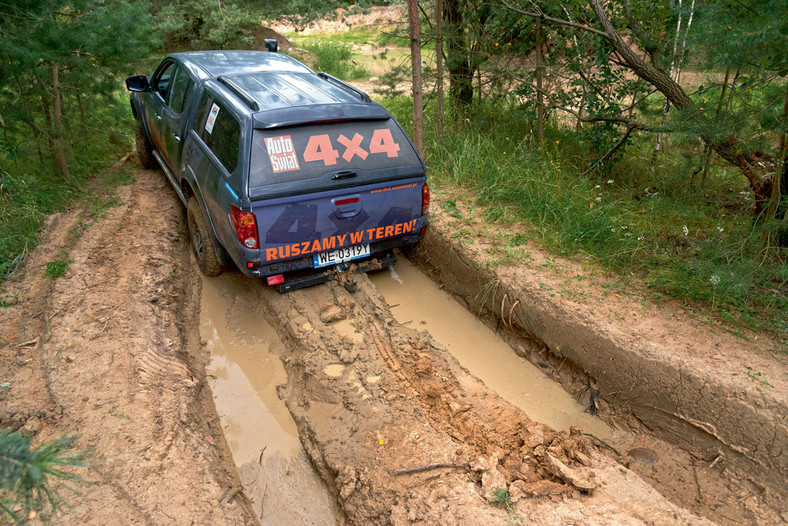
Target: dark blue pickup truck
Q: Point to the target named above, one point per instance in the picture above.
(290, 175)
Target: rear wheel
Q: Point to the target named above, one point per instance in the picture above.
(144, 150)
(201, 242)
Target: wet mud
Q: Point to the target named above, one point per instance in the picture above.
(243, 372)
(679, 388)
(402, 433)
(418, 301)
(348, 365)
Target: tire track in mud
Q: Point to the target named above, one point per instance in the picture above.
(113, 359)
(403, 435)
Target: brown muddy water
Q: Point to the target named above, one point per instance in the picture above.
(245, 369)
(418, 301)
(243, 374)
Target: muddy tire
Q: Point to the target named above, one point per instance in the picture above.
(200, 238)
(144, 150)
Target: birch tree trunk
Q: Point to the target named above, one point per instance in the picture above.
(439, 66)
(539, 92)
(415, 60)
(666, 103)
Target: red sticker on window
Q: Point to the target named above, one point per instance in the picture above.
(282, 154)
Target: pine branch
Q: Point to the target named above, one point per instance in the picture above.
(27, 473)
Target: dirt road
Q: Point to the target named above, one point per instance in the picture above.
(100, 353)
(398, 431)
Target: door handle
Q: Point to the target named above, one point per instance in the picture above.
(347, 174)
(176, 137)
(157, 116)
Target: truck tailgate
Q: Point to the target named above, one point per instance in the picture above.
(306, 225)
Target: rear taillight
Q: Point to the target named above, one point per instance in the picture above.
(425, 199)
(245, 226)
(425, 205)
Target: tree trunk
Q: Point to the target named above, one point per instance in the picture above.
(439, 66)
(780, 183)
(28, 119)
(459, 59)
(415, 61)
(666, 102)
(539, 92)
(707, 149)
(756, 166)
(58, 150)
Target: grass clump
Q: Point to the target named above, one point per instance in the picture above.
(57, 269)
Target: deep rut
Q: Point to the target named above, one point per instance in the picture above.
(403, 435)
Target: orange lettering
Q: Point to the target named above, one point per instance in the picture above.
(341, 238)
(408, 227)
(379, 232)
(371, 233)
(296, 249)
(319, 149)
(383, 142)
(329, 242)
(389, 231)
(398, 229)
(270, 254)
(315, 246)
(352, 147)
(356, 237)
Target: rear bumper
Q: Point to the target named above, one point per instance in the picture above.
(306, 263)
(342, 273)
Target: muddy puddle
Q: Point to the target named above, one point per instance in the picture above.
(244, 371)
(420, 303)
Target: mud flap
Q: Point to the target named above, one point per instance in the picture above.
(343, 273)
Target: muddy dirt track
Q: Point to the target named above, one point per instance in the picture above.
(397, 430)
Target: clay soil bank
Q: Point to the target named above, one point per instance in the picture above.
(399, 432)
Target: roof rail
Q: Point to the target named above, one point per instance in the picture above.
(238, 90)
(345, 85)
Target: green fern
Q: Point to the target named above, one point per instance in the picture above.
(27, 474)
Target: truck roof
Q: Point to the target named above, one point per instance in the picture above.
(275, 84)
(216, 63)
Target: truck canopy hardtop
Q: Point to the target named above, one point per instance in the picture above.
(281, 91)
(293, 109)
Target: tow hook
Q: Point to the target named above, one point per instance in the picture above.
(345, 274)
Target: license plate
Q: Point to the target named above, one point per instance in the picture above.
(340, 256)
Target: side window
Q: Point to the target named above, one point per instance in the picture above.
(202, 116)
(219, 130)
(161, 81)
(180, 89)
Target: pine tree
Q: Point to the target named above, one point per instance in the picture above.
(28, 474)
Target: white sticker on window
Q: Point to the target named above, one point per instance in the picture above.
(211, 118)
(282, 153)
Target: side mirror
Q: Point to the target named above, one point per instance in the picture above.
(137, 83)
(271, 45)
